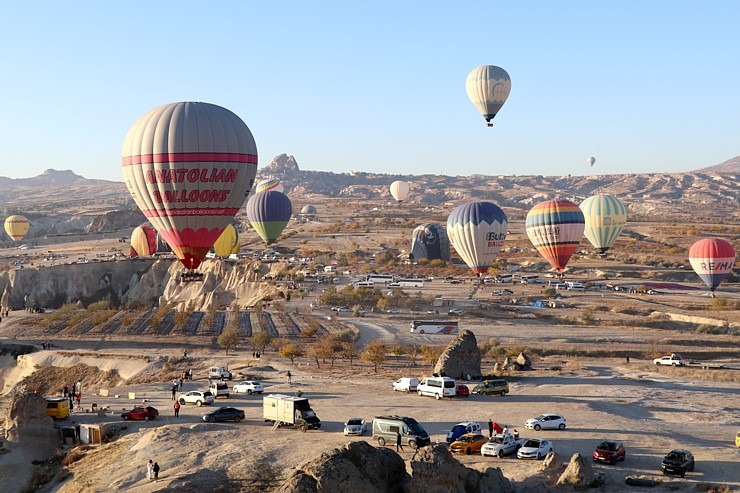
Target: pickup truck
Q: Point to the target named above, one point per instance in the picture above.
(672, 360)
(502, 444)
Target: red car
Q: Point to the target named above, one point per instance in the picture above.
(140, 413)
(610, 452)
(462, 390)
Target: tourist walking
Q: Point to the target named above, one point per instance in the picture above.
(155, 468)
(398, 442)
(150, 470)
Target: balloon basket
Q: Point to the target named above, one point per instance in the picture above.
(189, 276)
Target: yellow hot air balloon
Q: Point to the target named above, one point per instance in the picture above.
(488, 87)
(16, 227)
(228, 243)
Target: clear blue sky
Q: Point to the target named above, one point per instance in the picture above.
(645, 86)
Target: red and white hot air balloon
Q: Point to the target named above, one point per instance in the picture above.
(189, 167)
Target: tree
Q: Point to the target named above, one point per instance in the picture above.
(229, 338)
(413, 350)
(350, 351)
(431, 354)
(180, 319)
(398, 350)
(376, 353)
(261, 340)
(383, 303)
(291, 351)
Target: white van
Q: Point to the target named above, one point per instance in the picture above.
(406, 384)
(438, 387)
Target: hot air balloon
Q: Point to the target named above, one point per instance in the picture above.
(488, 86)
(477, 230)
(143, 241)
(269, 184)
(228, 243)
(16, 227)
(429, 241)
(309, 210)
(189, 167)
(605, 217)
(269, 213)
(399, 190)
(591, 160)
(712, 259)
(555, 228)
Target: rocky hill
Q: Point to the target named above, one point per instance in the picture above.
(729, 167)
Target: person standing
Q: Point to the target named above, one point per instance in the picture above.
(177, 408)
(155, 468)
(65, 390)
(174, 389)
(398, 442)
(490, 427)
(79, 401)
(149, 470)
(290, 382)
(627, 357)
(180, 384)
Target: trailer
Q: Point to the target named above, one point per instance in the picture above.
(287, 410)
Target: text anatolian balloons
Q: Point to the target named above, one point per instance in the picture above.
(399, 190)
(712, 259)
(189, 167)
(605, 217)
(555, 228)
(477, 230)
(488, 87)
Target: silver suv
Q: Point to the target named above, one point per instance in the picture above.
(197, 397)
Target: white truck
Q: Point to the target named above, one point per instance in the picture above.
(672, 360)
(219, 373)
(502, 444)
(287, 410)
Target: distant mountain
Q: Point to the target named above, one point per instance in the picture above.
(729, 167)
(48, 177)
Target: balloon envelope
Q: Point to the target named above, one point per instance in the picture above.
(399, 190)
(488, 87)
(309, 210)
(477, 230)
(591, 160)
(269, 184)
(189, 167)
(605, 217)
(429, 241)
(16, 227)
(143, 241)
(555, 228)
(269, 213)
(228, 243)
(712, 259)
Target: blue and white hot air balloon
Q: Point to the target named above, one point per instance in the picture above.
(477, 230)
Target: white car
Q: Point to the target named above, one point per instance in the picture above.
(406, 384)
(393, 310)
(455, 311)
(355, 426)
(534, 449)
(672, 360)
(249, 387)
(196, 397)
(546, 422)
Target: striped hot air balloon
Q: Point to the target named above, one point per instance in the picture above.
(605, 217)
(16, 227)
(143, 241)
(555, 228)
(477, 230)
(228, 243)
(712, 259)
(189, 167)
(429, 241)
(269, 213)
(488, 87)
(269, 184)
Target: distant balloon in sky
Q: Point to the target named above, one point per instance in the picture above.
(269, 184)
(16, 227)
(269, 213)
(429, 241)
(591, 160)
(712, 259)
(399, 190)
(228, 243)
(555, 228)
(488, 86)
(189, 167)
(605, 217)
(477, 230)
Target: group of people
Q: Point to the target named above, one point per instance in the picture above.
(152, 470)
(46, 345)
(73, 393)
(256, 354)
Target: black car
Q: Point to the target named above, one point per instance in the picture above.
(678, 462)
(224, 414)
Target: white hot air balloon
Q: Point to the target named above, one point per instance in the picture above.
(591, 160)
(399, 190)
(488, 87)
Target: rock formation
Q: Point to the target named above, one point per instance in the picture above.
(280, 165)
(358, 467)
(26, 422)
(434, 470)
(579, 473)
(461, 359)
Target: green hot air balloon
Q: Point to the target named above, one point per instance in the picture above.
(605, 217)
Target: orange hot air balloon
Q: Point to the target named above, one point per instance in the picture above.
(555, 228)
(189, 167)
